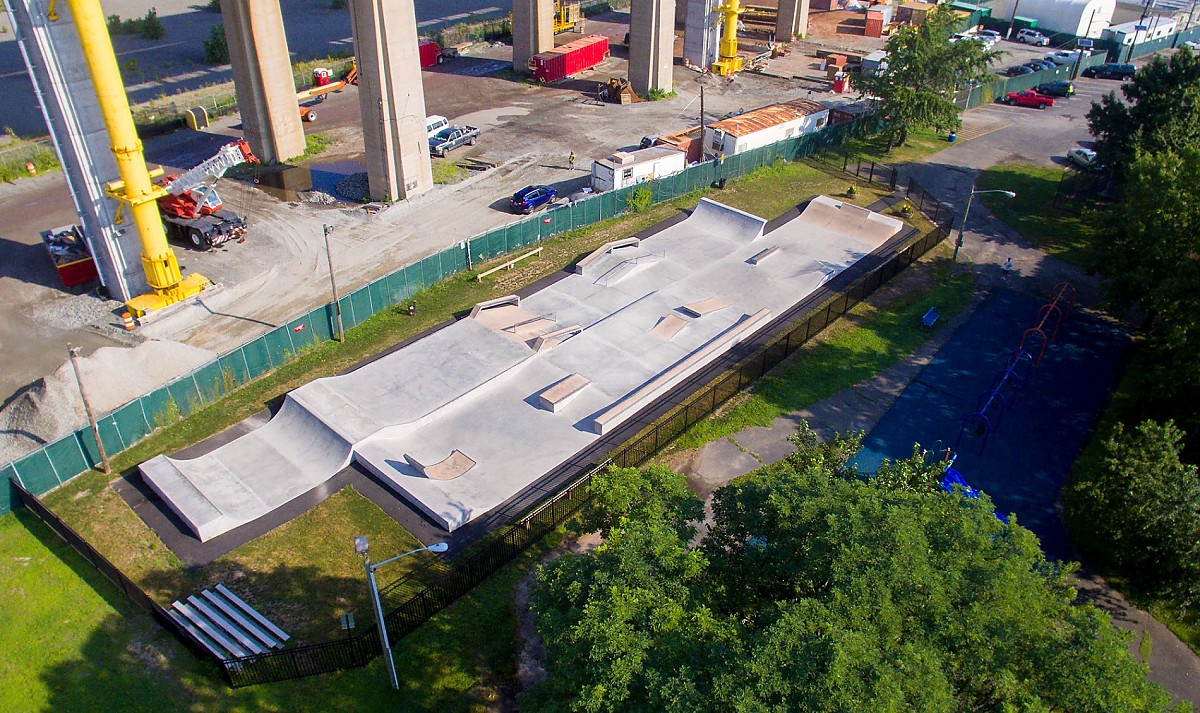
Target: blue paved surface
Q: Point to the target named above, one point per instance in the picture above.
(1029, 452)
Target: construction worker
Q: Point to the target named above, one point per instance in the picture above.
(571, 161)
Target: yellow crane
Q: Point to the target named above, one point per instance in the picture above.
(728, 62)
(135, 189)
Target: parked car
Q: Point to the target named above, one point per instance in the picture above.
(530, 198)
(1056, 89)
(1111, 70)
(1066, 56)
(450, 138)
(1032, 37)
(1019, 70)
(1081, 157)
(1193, 46)
(1028, 98)
(989, 36)
(1041, 64)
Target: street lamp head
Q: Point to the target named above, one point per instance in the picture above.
(1010, 194)
(361, 545)
(439, 547)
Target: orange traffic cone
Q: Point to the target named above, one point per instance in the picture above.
(31, 168)
(128, 319)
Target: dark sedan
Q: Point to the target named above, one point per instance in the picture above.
(1056, 89)
(1019, 70)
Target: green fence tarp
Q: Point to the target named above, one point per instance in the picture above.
(257, 357)
(131, 422)
(36, 472)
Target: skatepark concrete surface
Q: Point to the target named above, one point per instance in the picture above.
(462, 420)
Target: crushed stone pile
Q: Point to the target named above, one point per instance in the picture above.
(318, 197)
(353, 187)
(51, 407)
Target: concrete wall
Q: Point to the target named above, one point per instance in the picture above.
(792, 20)
(532, 30)
(262, 76)
(700, 34)
(391, 98)
(651, 45)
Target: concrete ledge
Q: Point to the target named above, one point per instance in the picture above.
(557, 394)
(164, 477)
(703, 307)
(668, 327)
(550, 339)
(499, 301)
(763, 255)
(581, 267)
(449, 468)
(617, 413)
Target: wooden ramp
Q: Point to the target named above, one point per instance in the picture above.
(227, 626)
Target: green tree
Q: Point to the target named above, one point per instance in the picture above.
(820, 591)
(216, 47)
(1145, 251)
(1139, 508)
(1161, 112)
(656, 494)
(924, 70)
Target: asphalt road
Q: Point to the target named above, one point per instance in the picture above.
(176, 63)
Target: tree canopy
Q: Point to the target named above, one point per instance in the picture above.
(818, 590)
(1160, 113)
(924, 71)
(1138, 507)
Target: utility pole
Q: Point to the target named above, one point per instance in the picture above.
(1139, 28)
(1012, 21)
(337, 303)
(87, 407)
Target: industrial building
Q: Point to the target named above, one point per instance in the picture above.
(1083, 18)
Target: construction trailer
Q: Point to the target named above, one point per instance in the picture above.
(627, 168)
(763, 126)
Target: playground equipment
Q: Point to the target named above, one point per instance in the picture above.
(1050, 314)
(1008, 381)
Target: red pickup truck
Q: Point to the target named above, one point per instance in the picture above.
(1028, 98)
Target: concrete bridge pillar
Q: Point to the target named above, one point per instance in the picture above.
(391, 98)
(651, 45)
(700, 34)
(792, 21)
(262, 76)
(532, 31)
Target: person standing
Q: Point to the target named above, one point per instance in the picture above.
(571, 161)
(1006, 268)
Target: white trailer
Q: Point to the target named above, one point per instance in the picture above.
(626, 168)
(766, 125)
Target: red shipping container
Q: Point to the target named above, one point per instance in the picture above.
(430, 53)
(874, 26)
(571, 58)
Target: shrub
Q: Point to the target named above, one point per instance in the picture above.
(151, 28)
(216, 47)
(338, 4)
(640, 199)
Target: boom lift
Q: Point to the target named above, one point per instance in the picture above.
(192, 210)
(322, 86)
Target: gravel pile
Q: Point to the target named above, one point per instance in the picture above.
(51, 407)
(75, 311)
(318, 197)
(353, 187)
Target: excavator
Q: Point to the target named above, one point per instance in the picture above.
(322, 85)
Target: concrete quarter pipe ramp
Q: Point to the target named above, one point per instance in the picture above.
(498, 399)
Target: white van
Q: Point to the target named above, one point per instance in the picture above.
(435, 123)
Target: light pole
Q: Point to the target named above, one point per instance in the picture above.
(361, 547)
(963, 226)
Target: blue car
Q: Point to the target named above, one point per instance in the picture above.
(530, 198)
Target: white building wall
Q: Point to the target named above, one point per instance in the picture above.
(1085, 18)
(717, 141)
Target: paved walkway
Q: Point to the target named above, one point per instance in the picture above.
(860, 407)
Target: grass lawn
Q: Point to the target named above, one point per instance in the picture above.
(1060, 233)
(867, 341)
(446, 171)
(71, 642)
(921, 143)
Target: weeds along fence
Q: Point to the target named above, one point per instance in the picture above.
(55, 463)
(15, 154)
(465, 574)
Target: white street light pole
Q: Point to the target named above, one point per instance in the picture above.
(963, 226)
(361, 546)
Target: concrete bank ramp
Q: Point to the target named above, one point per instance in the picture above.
(725, 222)
(850, 220)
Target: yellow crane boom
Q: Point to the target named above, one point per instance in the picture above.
(135, 188)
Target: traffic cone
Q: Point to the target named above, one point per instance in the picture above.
(31, 168)
(128, 319)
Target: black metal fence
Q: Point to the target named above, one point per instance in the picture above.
(867, 169)
(468, 571)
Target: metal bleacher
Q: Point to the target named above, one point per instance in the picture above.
(226, 626)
